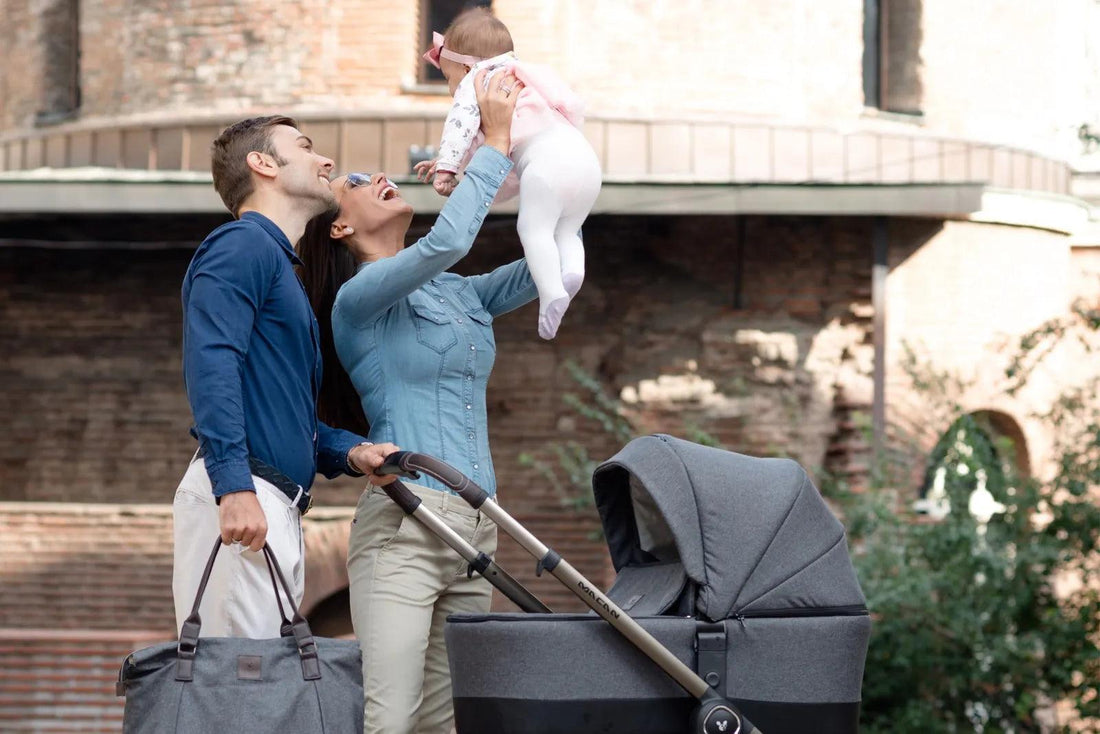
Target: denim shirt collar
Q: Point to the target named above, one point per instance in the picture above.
(272, 229)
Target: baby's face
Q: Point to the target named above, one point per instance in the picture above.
(454, 72)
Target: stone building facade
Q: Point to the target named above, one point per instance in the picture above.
(795, 194)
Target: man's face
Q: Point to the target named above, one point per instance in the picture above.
(303, 173)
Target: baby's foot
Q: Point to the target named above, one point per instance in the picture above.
(550, 319)
(572, 283)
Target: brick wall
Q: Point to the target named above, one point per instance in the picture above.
(93, 387)
(1021, 76)
(959, 294)
(21, 73)
(979, 70)
(777, 361)
(97, 413)
(63, 681)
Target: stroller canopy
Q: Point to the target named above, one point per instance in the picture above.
(753, 534)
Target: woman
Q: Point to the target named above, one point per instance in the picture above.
(417, 343)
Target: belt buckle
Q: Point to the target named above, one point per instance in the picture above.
(309, 503)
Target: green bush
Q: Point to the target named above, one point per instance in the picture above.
(985, 626)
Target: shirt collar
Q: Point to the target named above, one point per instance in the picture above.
(272, 229)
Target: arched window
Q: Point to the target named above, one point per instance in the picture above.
(974, 464)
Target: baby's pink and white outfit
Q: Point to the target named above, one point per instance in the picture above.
(557, 170)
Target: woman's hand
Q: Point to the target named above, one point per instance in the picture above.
(497, 104)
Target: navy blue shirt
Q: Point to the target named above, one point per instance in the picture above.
(252, 360)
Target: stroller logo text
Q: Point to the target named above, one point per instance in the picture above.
(606, 605)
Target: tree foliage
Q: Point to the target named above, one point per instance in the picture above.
(987, 623)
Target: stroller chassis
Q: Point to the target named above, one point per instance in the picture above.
(713, 714)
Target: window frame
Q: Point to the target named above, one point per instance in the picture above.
(425, 80)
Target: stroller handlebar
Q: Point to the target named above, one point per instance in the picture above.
(714, 715)
(408, 464)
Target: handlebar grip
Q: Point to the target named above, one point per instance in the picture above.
(401, 495)
(409, 464)
(397, 463)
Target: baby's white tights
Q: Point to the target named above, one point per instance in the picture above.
(559, 180)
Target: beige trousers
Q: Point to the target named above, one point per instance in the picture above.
(240, 598)
(404, 581)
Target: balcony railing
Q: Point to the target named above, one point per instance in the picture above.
(629, 150)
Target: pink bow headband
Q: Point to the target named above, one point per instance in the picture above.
(432, 54)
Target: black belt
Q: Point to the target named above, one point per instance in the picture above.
(298, 495)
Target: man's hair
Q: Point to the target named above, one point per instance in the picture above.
(476, 32)
(229, 153)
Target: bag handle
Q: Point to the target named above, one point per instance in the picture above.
(285, 629)
(303, 636)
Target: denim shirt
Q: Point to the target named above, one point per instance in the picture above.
(252, 360)
(418, 342)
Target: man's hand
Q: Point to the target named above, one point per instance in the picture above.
(369, 458)
(242, 520)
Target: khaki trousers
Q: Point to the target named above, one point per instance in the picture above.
(404, 581)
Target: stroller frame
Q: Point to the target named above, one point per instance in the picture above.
(714, 714)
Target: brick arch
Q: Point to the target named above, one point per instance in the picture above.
(1003, 425)
(326, 543)
(994, 425)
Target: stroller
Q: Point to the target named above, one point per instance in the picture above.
(742, 602)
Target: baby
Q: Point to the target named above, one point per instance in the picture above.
(558, 172)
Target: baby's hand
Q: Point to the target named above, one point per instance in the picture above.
(444, 183)
(425, 170)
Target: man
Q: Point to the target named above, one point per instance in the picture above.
(252, 368)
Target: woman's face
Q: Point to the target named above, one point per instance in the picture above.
(368, 203)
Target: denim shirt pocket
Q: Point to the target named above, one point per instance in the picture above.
(481, 316)
(471, 304)
(433, 328)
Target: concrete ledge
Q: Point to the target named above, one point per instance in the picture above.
(102, 191)
(1063, 214)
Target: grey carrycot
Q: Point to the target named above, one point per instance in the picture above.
(735, 564)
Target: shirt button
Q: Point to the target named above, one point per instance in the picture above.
(469, 377)
(487, 203)
(459, 320)
(442, 301)
(472, 348)
(471, 437)
(469, 407)
(475, 466)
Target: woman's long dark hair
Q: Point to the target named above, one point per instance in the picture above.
(327, 265)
